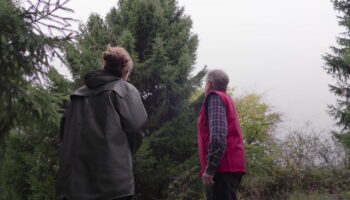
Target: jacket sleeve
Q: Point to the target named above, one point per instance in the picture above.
(133, 117)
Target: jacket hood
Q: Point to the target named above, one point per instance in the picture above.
(98, 78)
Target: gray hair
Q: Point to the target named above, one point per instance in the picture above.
(218, 78)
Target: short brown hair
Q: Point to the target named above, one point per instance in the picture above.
(117, 60)
(219, 79)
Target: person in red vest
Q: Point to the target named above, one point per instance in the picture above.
(220, 141)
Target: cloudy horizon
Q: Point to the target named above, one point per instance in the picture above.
(273, 48)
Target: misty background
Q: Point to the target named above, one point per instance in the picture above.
(271, 47)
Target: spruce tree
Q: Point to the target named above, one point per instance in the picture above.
(84, 54)
(26, 46)
(158, 36)
(337, 64)
(29, 101)
(30, 153)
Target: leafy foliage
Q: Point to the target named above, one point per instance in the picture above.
(299, 165)
(256, 119)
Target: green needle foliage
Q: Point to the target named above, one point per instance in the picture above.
(338, 66)
(29, 155)
(158, 35)
(29, 101)
(25, 52)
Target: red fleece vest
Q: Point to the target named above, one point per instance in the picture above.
(233, 159)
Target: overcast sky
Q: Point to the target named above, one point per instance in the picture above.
(270, 47)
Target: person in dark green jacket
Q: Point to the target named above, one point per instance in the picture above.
(100, 131)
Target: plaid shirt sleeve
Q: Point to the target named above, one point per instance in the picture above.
(216, 112)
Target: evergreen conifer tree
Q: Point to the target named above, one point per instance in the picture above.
(29, 101)
(25, 52)
(337, 64)
(158, 36)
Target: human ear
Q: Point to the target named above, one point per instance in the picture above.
(126, 74)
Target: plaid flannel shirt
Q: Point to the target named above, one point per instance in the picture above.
(216, 112)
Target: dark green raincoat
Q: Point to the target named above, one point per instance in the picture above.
(100, 132)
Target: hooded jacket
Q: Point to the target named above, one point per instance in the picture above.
(100, 132)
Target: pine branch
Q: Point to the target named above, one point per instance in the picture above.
(42, 14)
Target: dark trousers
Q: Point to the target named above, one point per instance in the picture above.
(124, 198)
(225, 186)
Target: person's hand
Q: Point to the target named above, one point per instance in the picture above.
(208, 179)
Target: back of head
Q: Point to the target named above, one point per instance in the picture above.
(218, 78)
(117, 61)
